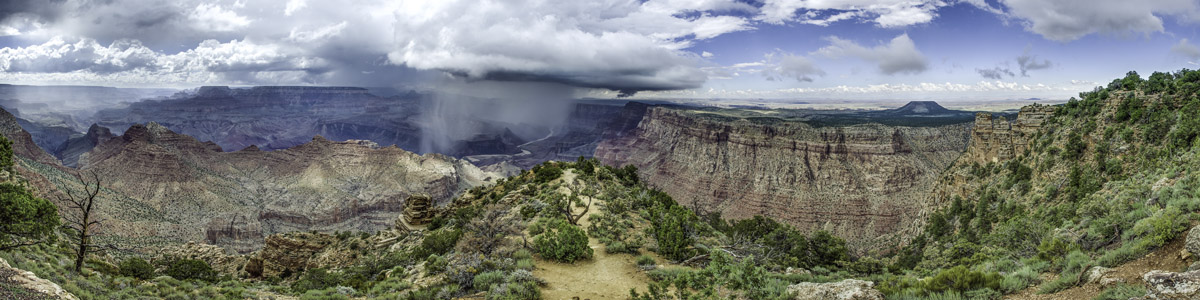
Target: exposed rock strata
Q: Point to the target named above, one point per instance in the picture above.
(995, 139)
(862, 182)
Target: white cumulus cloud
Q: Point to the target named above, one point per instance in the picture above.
(1068, 20)
(884, 13)
(898, 56)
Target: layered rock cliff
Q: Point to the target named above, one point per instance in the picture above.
(995, 139)
(862, 182)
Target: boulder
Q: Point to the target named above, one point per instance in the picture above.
(29, 281)
(1193, 241)
(1096, 274)
(849, 289)
(1170, 285)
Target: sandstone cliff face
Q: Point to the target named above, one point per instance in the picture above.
(995, 139)
(165, 184)
(862, 182)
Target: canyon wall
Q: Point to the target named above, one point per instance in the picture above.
(274, 117)
(861, 182)
(192, 190)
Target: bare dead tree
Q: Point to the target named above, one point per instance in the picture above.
(489, 231)
(80, 217)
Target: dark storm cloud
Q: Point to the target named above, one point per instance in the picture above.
(47, 9)
(1029, 62)
(996, 73)
(1026, 62)
(625, 46)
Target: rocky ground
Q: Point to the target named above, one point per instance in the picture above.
(17, 284)
(12, 289)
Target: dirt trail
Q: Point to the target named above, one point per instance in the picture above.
(605, 276)
(1165, 258)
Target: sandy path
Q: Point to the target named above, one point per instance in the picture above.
(605, 276)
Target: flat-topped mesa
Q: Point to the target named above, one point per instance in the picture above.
(921, 107)
(995, 139)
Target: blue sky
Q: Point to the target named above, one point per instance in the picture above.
(785, 49)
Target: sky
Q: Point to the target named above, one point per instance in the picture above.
(702, 49)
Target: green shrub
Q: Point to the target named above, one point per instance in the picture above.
(959, 278)
(827, 249)
(983, 294)
(437, 242)
(316, 279)
(24, 218)
(515, 290)
(323, 294)
(646, 260)
(6, 154)
(673, 228)
(524, 264)
(188, 269)
(562, 242)
(1053, 249)
(435, 264)
(546, 172)
(1128, 251)
(1073, 267)
(484, 281)
(1121, 291)
(1018, 280)
(136, 268)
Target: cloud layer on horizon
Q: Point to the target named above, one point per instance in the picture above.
(618, 45)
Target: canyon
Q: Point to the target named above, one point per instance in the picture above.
(162, 187)
(230, 166)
